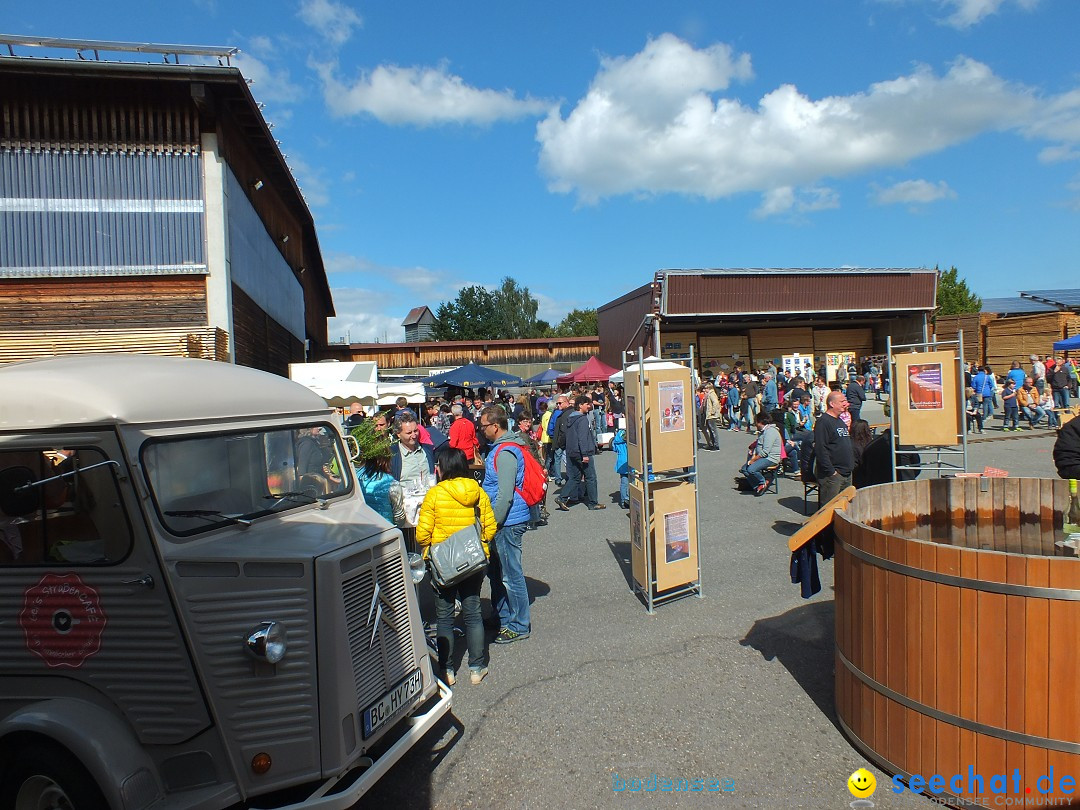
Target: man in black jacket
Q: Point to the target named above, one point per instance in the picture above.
(832, 444)
(856, 396)
(580, 456)
(1067, 449)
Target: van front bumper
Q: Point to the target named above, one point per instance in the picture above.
(328, 797)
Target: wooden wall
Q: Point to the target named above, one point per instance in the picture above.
(450, 354)
(118, 301)
(260, 341)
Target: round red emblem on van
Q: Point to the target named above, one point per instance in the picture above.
(63, 620)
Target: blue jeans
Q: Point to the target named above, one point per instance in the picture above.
(624, 489)
(1061, 397)
(468, 591)
(580, 476)
(752, 471)
(509, 595)
(1034, 414)
(560, 464)
(1012, 414)
(599, 421)
(733, 416)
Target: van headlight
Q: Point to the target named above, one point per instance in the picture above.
(417, 567)
(267, 642)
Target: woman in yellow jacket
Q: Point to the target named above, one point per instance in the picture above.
(456, 502)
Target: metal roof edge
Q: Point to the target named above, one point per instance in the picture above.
(740, 271)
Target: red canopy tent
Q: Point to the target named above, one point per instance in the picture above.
(592, 371)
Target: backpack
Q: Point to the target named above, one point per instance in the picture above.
(534, 482)
(559, 439)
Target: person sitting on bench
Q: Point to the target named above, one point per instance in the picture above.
(765, 456)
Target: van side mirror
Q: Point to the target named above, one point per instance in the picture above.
(352, 446)
(18, 495)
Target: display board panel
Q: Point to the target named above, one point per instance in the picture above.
(670, 538)
(928, 402)
(669, 420)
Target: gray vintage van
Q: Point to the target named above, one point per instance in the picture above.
(197, 609)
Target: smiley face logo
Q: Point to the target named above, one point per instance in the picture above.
(862, 784)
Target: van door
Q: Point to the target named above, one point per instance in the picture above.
(86, 611)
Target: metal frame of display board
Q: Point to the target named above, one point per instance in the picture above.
(647, 480)
(947, 460)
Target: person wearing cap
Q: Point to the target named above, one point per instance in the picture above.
(1038, 373)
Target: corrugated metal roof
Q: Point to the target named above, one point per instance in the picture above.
(1008, 306)
(1061, 299)
(762, 291)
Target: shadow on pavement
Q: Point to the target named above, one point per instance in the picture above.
(802, 640)
(408, 783)
(620, 550)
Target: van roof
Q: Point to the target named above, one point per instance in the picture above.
(136, 389)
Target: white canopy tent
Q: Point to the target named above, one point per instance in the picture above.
(341, 384)
(652, 362)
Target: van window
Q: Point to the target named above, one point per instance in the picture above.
(205, 482)
(61, 505)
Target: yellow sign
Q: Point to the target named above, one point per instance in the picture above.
(862, 784)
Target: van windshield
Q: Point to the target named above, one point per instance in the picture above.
(205, 482)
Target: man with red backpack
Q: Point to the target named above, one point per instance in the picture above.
(505, 484)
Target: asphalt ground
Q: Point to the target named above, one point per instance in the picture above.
(736, 686)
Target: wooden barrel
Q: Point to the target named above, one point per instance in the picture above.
(958, 635)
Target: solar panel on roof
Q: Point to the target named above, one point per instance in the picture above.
(1070, 299)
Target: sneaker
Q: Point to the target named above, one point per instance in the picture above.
(596, 506)
(759, 490)
(450, 677)
(561, 504)
(508, 636)
(477, 675)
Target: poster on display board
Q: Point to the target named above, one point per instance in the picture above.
(672, 408)
(794, 364)
(927, 398)
(667, 420)
(670, 538)
(836, 366)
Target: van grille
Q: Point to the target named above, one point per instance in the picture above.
(376, 674)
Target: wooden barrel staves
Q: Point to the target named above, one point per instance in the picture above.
(958, 637)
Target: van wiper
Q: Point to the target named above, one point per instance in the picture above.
(211, 515)
(295, 497)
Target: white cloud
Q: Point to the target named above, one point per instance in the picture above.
(335, 21)
(421, 97)
(361, 319)
(788, 200)
(646, 127)
(916, 192)
(966, 13)
(267, 83)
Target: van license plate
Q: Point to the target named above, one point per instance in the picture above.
(392, 702)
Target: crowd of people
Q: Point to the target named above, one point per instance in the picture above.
(465, 455)
(1026, 398)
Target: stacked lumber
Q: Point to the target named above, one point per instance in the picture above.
(722, 350)
(774, 343)
(860, 341)
(205, 342)
(1009, 339)
(946, 327)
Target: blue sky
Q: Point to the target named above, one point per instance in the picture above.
(579, 147)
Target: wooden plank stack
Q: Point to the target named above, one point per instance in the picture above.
(204, 342)
(1009, 339)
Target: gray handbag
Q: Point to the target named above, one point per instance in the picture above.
(458, 557)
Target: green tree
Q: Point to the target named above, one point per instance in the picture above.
(515, 311)
(506, 313)
(953, 295)
(470, 316)
(577, 323)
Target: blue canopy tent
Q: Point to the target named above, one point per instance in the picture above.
(1068, 345)
(472, 376)
(546, 377)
